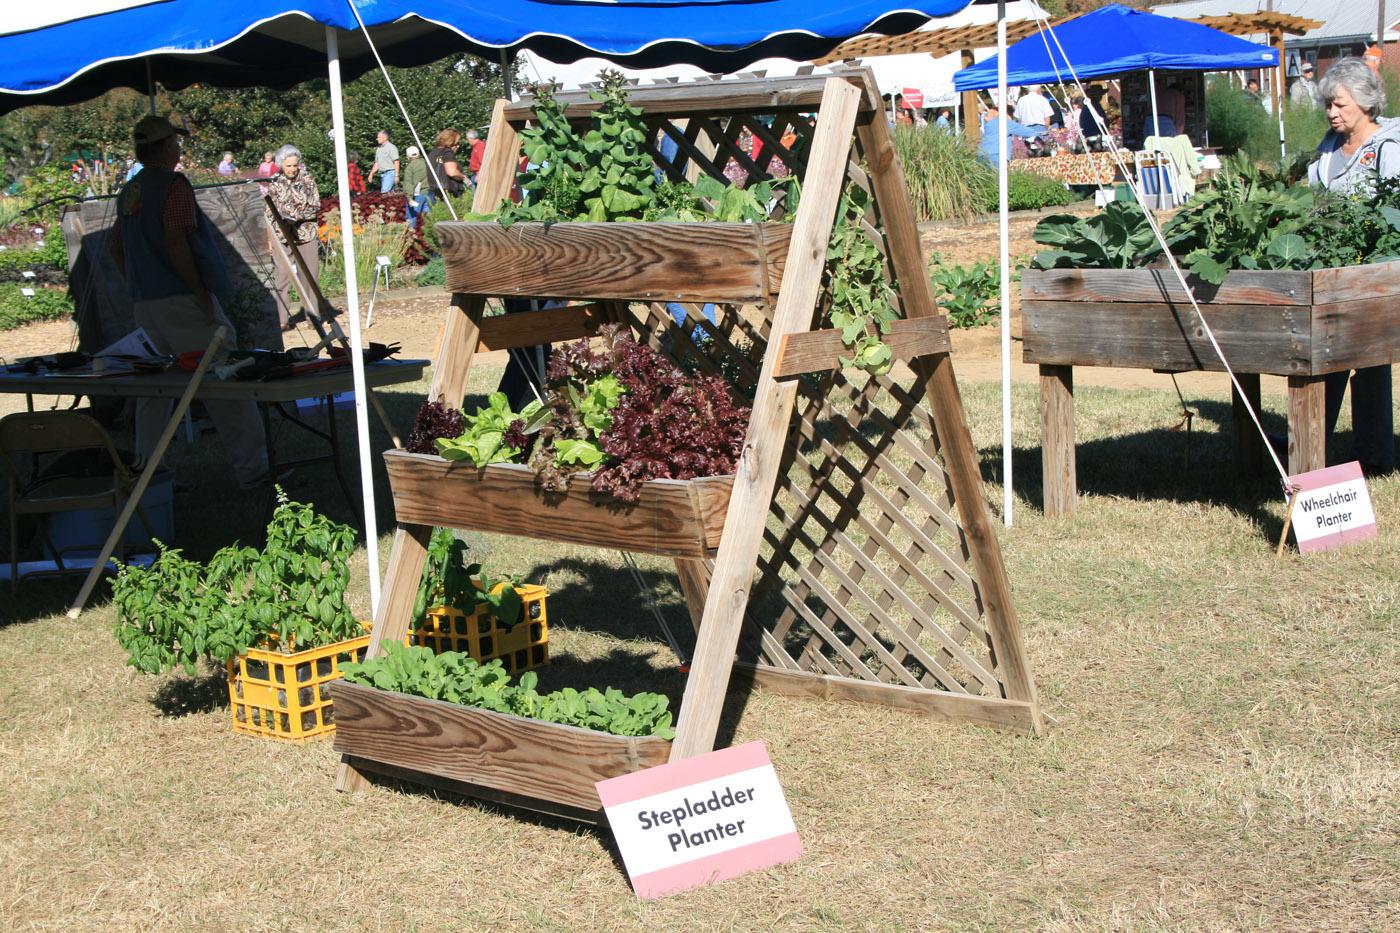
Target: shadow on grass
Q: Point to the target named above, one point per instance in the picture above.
(182, 696)
(1163, 464)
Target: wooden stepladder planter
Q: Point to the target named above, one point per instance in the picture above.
(850, 556)
(1300, 325)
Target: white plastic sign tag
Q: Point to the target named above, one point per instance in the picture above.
(1332, 508)
(27, 292)
(701, 820)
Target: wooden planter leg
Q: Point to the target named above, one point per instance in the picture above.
(395, 609)
(1249, 446)
(1307, 424)
(950, 420)
(1060, 493)
(694, 579)
(757, 470)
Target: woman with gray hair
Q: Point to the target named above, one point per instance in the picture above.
(297, 199)
(1360, 147)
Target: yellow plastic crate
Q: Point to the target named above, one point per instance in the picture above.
(521, 647)
(283, 696)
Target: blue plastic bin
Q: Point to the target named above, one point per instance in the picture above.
(81, 534)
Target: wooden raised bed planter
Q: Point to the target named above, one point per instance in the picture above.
(719, 262)
(1301, 325)
(521, 759)
(673, 518)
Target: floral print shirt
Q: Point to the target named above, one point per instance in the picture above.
(297, 199)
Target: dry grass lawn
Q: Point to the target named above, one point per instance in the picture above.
(1227, 756)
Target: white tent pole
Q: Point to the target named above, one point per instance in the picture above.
(1005, 256)
(352, 303)
(1152, 86)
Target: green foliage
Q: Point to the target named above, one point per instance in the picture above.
(1246, 220)
(1026, 191)
(483, 440)
(173, 613)
(969, 294)
(946, 179)
(18, 309)
(1236, 123)
(1118, 237)
(448, 580)
(863, 302)
(49, 188)
(440, 212)
(374, 237)
(458, 678)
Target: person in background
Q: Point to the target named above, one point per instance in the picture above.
(945, 120)
(415, 185)
(476, 151)
(1057, 113)
(295, 196)
(386, 163)
(1252, 93)
(901, 112)
(1304, 90)
(268, 166)
(1032, 109)
(165, 249)
(1372, 58)
(1171, 114)
(357, 178)
(1358, 148)
(226, 166)
(446, 175)
(1090, 107)
(995, 124)
(134, 170)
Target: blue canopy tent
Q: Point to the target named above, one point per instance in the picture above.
(1114, 40)
(72, 50)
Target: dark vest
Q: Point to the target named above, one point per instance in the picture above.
(150, 274)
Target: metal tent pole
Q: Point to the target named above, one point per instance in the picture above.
(352, 305)
(1152, 86)
(1003, 222)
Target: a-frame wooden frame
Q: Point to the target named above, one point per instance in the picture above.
(857, 558)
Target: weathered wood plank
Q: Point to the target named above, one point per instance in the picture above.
(1059, 483)
(1353, 283)
(498, 163)
(1356, 334)
(757, 470)
(505, 499)
(764, 95)
(1307, 422)
(475, 791)
(819, 350)
(528, 329)
(994, 712)
(1255, 338)
(653, 261)
(1244, 287)
(475, 746)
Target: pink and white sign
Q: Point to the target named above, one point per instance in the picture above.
(913, 98)
(1333, 508)
(701, 820)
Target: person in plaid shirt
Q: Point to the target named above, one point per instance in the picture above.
(297, 199)
(166, 250)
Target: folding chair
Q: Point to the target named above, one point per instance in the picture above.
(1157, 179)
(39, 434)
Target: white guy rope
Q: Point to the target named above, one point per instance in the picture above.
(447, 198)
(1042, 23)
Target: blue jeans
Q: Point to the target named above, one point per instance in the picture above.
(416, 206)
(386, 181)
(1372, 417)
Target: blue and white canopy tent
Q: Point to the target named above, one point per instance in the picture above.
(71, 50)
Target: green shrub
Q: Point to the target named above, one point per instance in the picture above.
(1027, 191)
(439, 213)
(969, 294)
(1237, 124)
(373, 239)
(946, 179)
(49, 188)
(18, 309)
(433, 274)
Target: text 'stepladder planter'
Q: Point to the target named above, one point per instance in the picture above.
(672, 518)
(510, 754)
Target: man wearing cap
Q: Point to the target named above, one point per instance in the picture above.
(164, 247)
(1304, 89)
